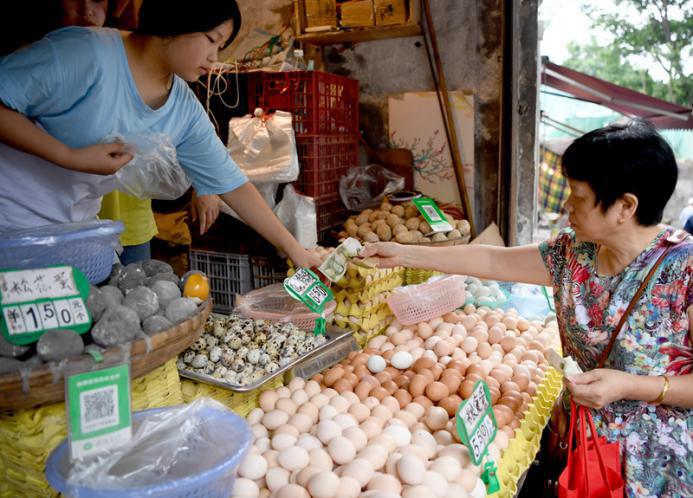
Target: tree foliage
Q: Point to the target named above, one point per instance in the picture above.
(663, 35)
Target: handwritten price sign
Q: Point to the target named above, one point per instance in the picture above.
(476, 424)
(33, 301)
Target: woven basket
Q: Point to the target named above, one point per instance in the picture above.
(28, 436)
(45, 389)
(241, 403)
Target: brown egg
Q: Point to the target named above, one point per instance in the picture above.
(521, 380)
(369, 379)
(522, 324)
(387, 355)
(495, 334)
(480, 335)
(383, 376)
(428, 374)
(351, 378)
(409, 374)
(443, 348)
(476, 369)
(390, 386)
(466, 389)
(499, 375)
(508, 343)
(379, 393)
(423, 401)
(514, 423)
(363, 389)
(508, 386)
(492, 383)
(398, 338)
(532, 389)
(360, 359)
(351, 356)
(401, 380)
(348, 368)
(484, 350)
(469, 344)
(450, 404)
(342, 385)
(331, 376)
(392, 371)
(403, 398)
(423, 363)
(503, 415)
(510, 322)
(417, 385)
(437, 371)
(513, 400)
(361, 371)
(452, 381)
(473, 377)
(436, 391)
(457, 365)
(495, 395)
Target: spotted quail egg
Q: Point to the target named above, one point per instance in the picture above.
(264, 359)
(215, 354)
(242, 352)
(227, 358)
(199, 344)
(254, 356)
(219, 330)
(257, 375)
(200, 361)
(230, 377)
(211, 341)
(234, 342)
(219, 372)
(271, 367)
(238, 365)
(284, 360)
(181, 365)
(209, 368)
(188, 356)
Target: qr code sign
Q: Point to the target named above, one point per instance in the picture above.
(99, 408)
(301, 281)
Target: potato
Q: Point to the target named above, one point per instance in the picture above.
(425, 240)
(412, 224)
(411, 211)
(398, 210)
(424, 227)
(399, 229)
(384, 233)
(393, 220)
(386, 206)
(373, 216)
(416, 235)
(364, 229)
(352, 229)
(382, 215)
(343, 235)
(371, 237)
(367, 212)
(378, 223)
(404, 238)
(439, 237)
(362, 219)
(464, 227)
(454, 234)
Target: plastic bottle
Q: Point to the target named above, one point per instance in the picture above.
(299, 61)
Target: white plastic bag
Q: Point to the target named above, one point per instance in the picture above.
(366, 186)
(297, 213)
(154, 171)
(264, 147)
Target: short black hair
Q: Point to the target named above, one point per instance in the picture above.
(168, 18)
(625, 157)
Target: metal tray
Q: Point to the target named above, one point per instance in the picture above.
(339, 344)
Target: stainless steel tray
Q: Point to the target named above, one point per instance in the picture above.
(339, 344)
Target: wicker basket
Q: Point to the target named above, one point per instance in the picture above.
(44, 388)
(241, 403)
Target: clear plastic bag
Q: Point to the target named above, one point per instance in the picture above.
(366, 186)
(264, 147)
(171, 449)
(154, 171)
(274, 304)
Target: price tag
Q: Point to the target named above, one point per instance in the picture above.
(305, 286)
(476, 423)
(432, 214)
(33, 301)
(98, 410)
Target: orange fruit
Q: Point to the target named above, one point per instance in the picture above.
(196, 285)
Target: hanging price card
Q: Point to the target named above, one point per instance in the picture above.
(432, 214)
(305, 286)
(99, 411)
(476, 423)
(33, 301)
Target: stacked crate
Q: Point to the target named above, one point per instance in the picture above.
(324, 109)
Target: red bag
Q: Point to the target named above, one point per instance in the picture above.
(594, 466)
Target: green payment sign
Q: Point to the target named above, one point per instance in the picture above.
(99, 411)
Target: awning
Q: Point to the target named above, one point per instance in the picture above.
(659, 112)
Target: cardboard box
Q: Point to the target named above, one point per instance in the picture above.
(356, 13)
(389, 12)
(320, 13)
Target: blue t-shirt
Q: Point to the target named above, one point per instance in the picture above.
(76, 84)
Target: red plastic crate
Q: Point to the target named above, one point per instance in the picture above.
(320, 103)
(323, 160)
(331, 214)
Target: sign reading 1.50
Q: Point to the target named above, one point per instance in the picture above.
(33, 301)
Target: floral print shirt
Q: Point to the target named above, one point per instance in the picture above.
(656, 441)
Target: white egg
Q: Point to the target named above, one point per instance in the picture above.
(402, 360)
(425, 440)
(293, 458)
(400, 434)
(417, 492)
(359, 469)
(411, 469)
(276, 478)
(253, 467)
(436, 483)
(281, 441)
(344, 420)
(323, 485)
(308, 442)
(447, 466)
(341, 449)
(479, 490)
(456, 491)
(376, 364)
(320, 459)
(328, 429)
(348, 488)
(246, 488)
(255, 416)
(356, 436)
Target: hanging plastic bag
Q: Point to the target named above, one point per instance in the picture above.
(366, 186)
(154, 171)
(297, 213)
(264, 147)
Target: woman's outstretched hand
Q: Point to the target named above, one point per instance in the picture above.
(384, 254)
(598, 388)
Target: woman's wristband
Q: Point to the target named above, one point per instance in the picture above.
(661, 396)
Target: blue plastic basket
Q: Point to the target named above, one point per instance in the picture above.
(89, 246)
(216, 482)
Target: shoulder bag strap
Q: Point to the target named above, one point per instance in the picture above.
(674, 239)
